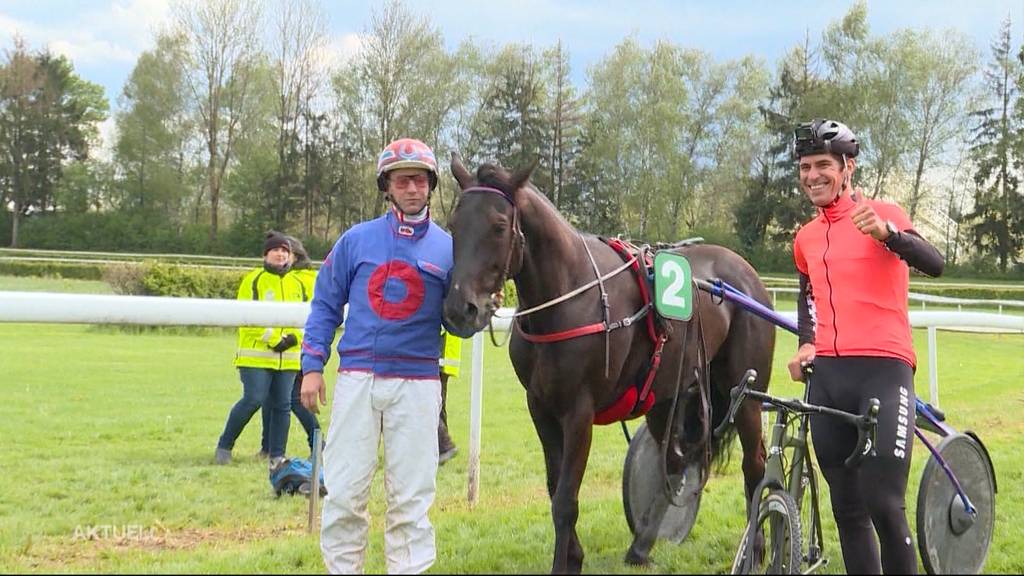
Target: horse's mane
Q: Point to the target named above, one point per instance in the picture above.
(493, 175)
(496, 176)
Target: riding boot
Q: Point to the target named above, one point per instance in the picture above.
(445, 447)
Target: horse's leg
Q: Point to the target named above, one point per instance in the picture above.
(748, 424)
(549, 430)
(577, 431)
(726, 372)
(747, 421)
(743, 350)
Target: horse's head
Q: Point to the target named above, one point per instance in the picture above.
(488, 243)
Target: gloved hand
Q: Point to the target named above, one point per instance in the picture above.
(286, 342)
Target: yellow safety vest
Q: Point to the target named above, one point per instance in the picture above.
(308, 278)
(451, 353)
(255, 344)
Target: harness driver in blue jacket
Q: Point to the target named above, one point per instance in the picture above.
(392, 272)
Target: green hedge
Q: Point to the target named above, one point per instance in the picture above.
(142, 232)
(70, 270)
(1008, 292)
(159, 279)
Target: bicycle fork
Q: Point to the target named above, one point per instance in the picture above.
(801, 478)
(775, 478)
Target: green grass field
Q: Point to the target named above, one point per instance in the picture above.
(113, 434)
(33, 284)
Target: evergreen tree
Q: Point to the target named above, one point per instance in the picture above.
(998, 216)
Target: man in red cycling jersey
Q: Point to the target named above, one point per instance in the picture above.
(853, 262)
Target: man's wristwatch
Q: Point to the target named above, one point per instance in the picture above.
(894, 233)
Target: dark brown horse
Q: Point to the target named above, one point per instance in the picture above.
(503, 227)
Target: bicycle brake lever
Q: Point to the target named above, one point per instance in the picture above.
(873, 409)
(736, 396)
(867, 428)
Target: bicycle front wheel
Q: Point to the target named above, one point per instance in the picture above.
(772, 545)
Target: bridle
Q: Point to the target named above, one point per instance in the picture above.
(517, 243)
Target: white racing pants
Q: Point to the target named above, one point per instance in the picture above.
(404, 413)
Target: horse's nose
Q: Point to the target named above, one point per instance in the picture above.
(471, 311)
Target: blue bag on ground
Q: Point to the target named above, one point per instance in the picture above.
(294, 475)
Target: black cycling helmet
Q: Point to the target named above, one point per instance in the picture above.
(824, 137)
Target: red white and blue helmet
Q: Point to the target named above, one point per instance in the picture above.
(406, 153)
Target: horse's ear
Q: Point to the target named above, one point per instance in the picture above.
(522, 175)
(462, 176)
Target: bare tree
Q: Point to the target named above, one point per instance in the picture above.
(396, 49)
(393, 88)
(938, 112)
(298, 48)
(222, 57)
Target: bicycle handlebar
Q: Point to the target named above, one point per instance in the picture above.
(866, 423)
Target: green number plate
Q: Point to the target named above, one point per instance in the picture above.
(673, 286)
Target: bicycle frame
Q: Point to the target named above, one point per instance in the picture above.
(801, 465)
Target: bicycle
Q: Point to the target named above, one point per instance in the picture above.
(777, 515)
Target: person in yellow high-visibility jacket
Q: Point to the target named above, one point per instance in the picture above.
(451, 357)
(267, 358)
(303, 269)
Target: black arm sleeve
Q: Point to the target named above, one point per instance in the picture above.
(804, 311)
(916, 252)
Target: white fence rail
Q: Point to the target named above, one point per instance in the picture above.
(42, 307)
(925, 299)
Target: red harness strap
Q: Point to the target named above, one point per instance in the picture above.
(563, 335)
(636, 400)
(625, 251)
(633, 404)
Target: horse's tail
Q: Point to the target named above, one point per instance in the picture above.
(705, 407)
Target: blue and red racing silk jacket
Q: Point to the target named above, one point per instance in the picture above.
(393, 275)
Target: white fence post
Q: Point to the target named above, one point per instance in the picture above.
(933, 368)
(476, 417)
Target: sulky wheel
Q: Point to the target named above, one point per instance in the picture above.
(642, 479)
(951, 540)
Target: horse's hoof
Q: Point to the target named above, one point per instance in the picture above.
(634, 559)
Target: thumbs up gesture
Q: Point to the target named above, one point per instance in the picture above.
(868, 222)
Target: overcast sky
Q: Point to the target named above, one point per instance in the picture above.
(104, 38)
